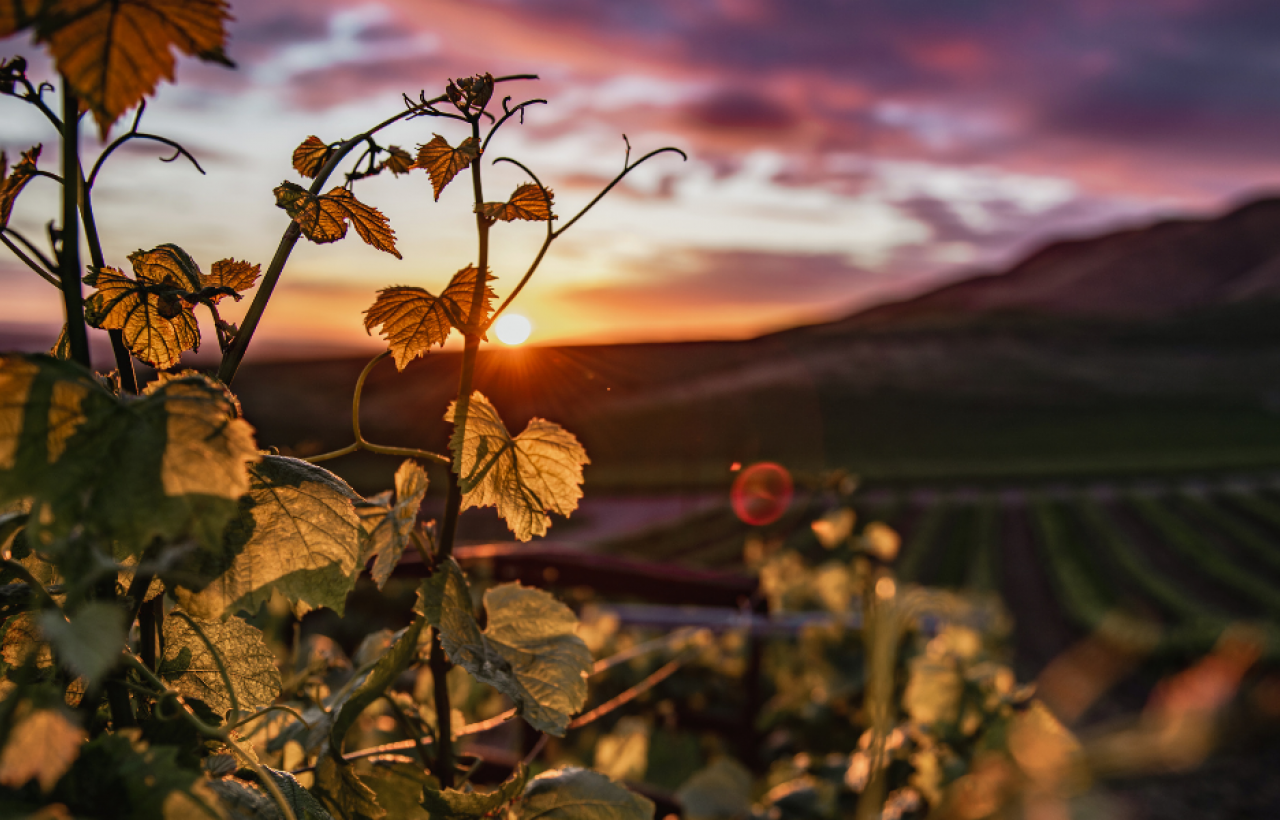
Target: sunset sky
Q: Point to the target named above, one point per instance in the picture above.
(841, 153)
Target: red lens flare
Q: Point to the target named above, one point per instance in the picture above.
(761, 493)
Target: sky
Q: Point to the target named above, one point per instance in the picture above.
(841, 153)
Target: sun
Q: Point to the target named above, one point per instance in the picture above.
(512, 328)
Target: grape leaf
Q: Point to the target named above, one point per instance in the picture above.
(230, 273)
(11, 184)
(117, 775)
(62, 347)
(153, 310)
(297, 531)
(170, 464)
(398, 160)
(443, 162)
(456, 804)
(390, 527)
(324, 218)
(115, 52)
(309, 157)
(249, 662)
(384, 672)
(537, 472)
(528, 202)
(16, 15)
(340, 790)
(528, 649)
(398, 786)
(570, 793)
(413, 320)
(42, 745)
(305, 807)
(91, 642)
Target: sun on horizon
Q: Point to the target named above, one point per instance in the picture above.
(512, 329)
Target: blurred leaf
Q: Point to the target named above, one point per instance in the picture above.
(309, 157)
(115, 53)
(390, 527)
(91, 642)
(571, 793)
(528, 203)
(376, 681)
(42, 745)
(324, 218)
(933, 691)
(443, 162)
(398, 786)
(16, 15)
(118, 776)
(720, 790)
(242, 649)
(11, 184)
(537, 472)
(1045, 749)
(21, 641)
(297, 532)
(398, 160)
(413, 320)
(459, 804)
(623, 754)
(528, 650)
(230, 273)
(340, 790)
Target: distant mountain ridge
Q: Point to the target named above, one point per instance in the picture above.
(1170, 267)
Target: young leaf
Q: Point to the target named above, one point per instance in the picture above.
(526, 477)
(375, 684)
(234, 646)
(42, 745)
(297, 531)
(115, 53)
(324, 218)
(11, 184)
(341, 792)
(413, 320)
(62, 347)
(230, 273)
(528, 651)
(398, 160)
(443, 162)
(309, 157)
(169, 464)
(456, 804)
(91, 642)
(528, 202)
(390, 527)
(580, 794)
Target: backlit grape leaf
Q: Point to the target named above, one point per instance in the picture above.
(244, 654)
(398, 785)
(309, 157)
(398, 160)
(170, 464)
(537, 472)
(459, 804)
(443, 162)
(305, 807)
(528, 650)
(297, 531)
(390, 527)
(115, 52)
(570, 793)
(12, 183)
(16, 15)
(42, 745)
(528, 202)
(230, 273)
(340, 790)
(90, 642)
(324, 218)
(394, 661)
(413, 320)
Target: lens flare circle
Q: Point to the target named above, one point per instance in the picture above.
(761, 493)
(512, 328)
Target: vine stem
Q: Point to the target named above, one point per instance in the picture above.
(124, 360)
(69, 253)
(267, 781)
(361, 443)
